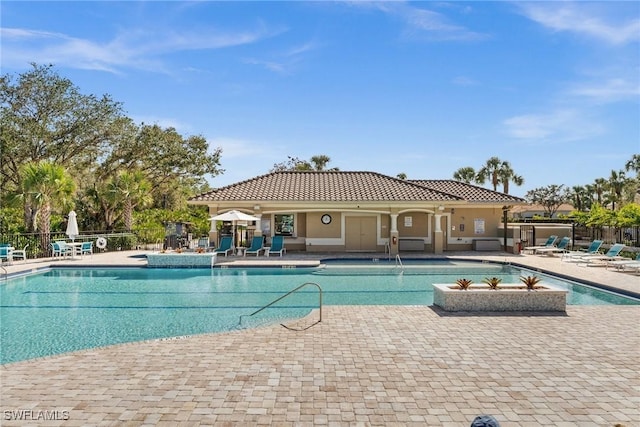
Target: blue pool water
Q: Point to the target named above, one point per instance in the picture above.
(64, 310)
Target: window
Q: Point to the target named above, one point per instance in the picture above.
(283, 225)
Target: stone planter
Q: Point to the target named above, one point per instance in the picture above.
(184, 259)
(508, 297)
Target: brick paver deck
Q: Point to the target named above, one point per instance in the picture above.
(365, 365)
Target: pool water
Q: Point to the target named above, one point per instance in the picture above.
(64, 310)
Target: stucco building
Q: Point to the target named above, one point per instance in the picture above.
(335, 211)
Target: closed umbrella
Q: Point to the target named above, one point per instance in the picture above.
(234, 216)
(72, 226)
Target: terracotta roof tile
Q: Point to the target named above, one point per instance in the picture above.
(331, 186)
(468, 192)
(342, 186)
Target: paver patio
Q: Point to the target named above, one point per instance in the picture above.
(364, 365)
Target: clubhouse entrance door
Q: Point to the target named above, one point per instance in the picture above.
(360, 233)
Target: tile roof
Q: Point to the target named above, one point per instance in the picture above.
(342, 186)
(469, 192)
(332, 186)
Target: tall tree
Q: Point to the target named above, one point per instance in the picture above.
(506, 174)
(490, 171)
(466, 174)
(44, 117)
(317, 163)
(173, 165)
(599, 187)
(616, 184)
(580, 197)
(133, 189)
(47, 185)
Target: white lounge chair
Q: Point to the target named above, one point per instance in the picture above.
(551, 241)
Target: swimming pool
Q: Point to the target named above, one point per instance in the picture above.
(71, 309)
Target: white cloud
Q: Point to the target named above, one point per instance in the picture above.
(464, 81)
(557, 126)
(595, 20)
(609, 90)
(133, 49)
(284, 62)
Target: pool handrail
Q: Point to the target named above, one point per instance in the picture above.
(286, 295)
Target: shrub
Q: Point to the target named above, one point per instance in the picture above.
(530, 281)
(463, 283)
(493, 282)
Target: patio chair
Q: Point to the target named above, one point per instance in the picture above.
(203, 243)
(60, 249)
(225, 246)
(256, 246)
(626, 264)
(6, 254)
(85, 249)
(562, 247)
(277, 245)
(593, 249)
(20, 253)
(551, 241)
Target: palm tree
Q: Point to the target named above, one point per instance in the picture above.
(46, 185)
(616, 186)
(599, 187)
(466, 175)
(580, 197)
(507, 174)
(633, 164)
(134, 190)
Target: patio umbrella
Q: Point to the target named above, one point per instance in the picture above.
(72, 226)
(234, 216)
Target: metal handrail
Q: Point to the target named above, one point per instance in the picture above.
(286, 295)
(399, 261)
(6, 273)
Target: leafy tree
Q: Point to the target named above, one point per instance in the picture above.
(629, 215)
(466, 174)
(317, 163)
(549, 197)
(599, 187)
(173, 165)
(401, 175)
(44, 117)
(47, 185)
(616, 186)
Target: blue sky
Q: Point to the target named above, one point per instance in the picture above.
(421, 88)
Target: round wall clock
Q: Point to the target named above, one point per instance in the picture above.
(326, 219)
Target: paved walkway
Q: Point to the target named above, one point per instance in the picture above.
(365, 365)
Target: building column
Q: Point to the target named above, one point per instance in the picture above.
(438, 236)
(393, 235)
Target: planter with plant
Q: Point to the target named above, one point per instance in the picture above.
(500, 297)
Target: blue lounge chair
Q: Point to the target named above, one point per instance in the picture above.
(562, 247)
(277, 245)
(626, 264)
(256, 246)
(593, 249)
(225, 246)
(612, 254)
(551, 241)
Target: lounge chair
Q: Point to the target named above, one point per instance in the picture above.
(256, 246)
(551, 241)
(20, 253)
(626, 264)
(612, 254)
(225, 246)
(277, 246)
(562, 247)
(593, 249)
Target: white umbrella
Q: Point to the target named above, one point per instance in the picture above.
(72, 226)
(234, 216)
